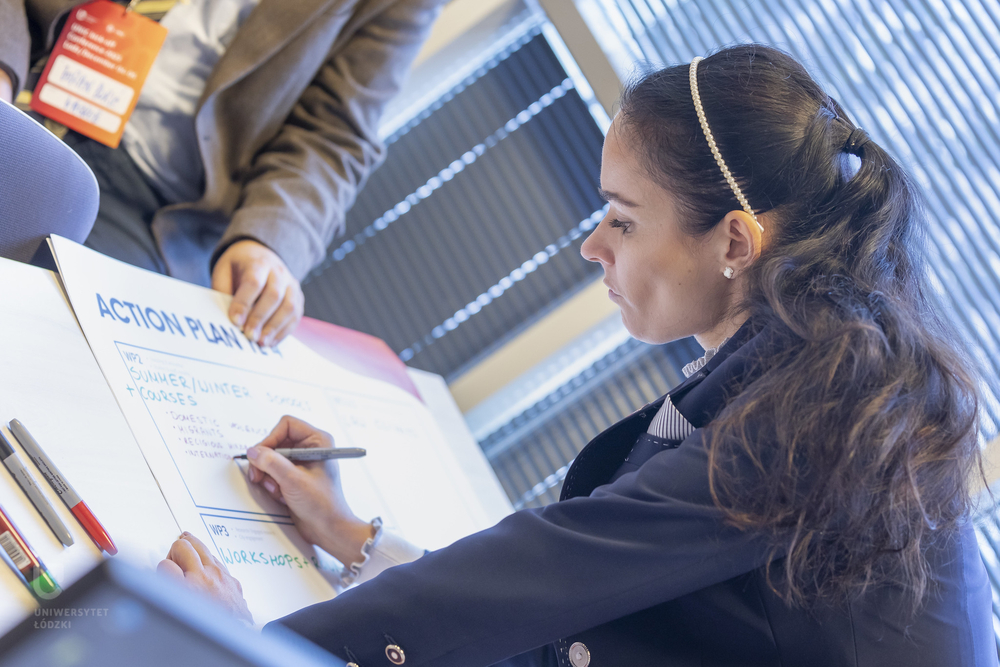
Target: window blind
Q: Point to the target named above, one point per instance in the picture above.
(532, 452)
(472, 227)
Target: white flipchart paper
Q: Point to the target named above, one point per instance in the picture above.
(50, 381)
(195, 392)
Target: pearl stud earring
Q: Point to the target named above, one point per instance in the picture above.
(728, 272)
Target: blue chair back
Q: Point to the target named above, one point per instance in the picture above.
(45, 188)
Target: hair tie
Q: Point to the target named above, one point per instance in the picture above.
(856, 141)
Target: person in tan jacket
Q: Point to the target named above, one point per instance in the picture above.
(253, 134)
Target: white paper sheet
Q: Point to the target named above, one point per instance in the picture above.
(195, 392)
(50, 381)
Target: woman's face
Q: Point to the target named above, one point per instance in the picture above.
(667, 284)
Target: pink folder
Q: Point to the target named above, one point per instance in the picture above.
(358, 352)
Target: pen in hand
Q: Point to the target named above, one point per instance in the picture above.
(317, 453)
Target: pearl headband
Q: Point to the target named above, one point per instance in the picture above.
(693, 76)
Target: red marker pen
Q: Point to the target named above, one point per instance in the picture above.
(63, 489)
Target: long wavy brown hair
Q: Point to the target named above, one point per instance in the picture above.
(859, 417)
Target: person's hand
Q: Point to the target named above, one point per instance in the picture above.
(6, 87)
(190, 561)
(267, 299)
(311, 490)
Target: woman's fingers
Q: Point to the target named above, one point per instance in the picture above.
(266, 481)
(287, 432)
(281, 470)
(204, 555)
(272, 488)
(299, 430)
(292, 432)
(170, 569)
(190, 561)
(183, 553)
(277, 436)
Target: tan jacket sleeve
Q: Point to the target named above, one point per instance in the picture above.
(303, 182)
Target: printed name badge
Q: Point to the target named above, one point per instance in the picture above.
(94, 74)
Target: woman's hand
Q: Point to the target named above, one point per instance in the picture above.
(190, 561)
(311, 490)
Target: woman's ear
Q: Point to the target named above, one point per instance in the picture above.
(742, 236)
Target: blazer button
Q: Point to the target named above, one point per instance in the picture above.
(351, 664)
(579, 655)
(395, 654)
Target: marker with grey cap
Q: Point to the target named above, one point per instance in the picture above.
(30, 488)
(316, 453)
(62, 487)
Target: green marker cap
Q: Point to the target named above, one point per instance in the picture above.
(43, 585)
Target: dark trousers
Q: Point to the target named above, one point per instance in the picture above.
(128, 203)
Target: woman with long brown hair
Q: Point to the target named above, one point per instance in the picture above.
(803, 498)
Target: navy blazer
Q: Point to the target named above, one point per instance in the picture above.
(642, 570)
